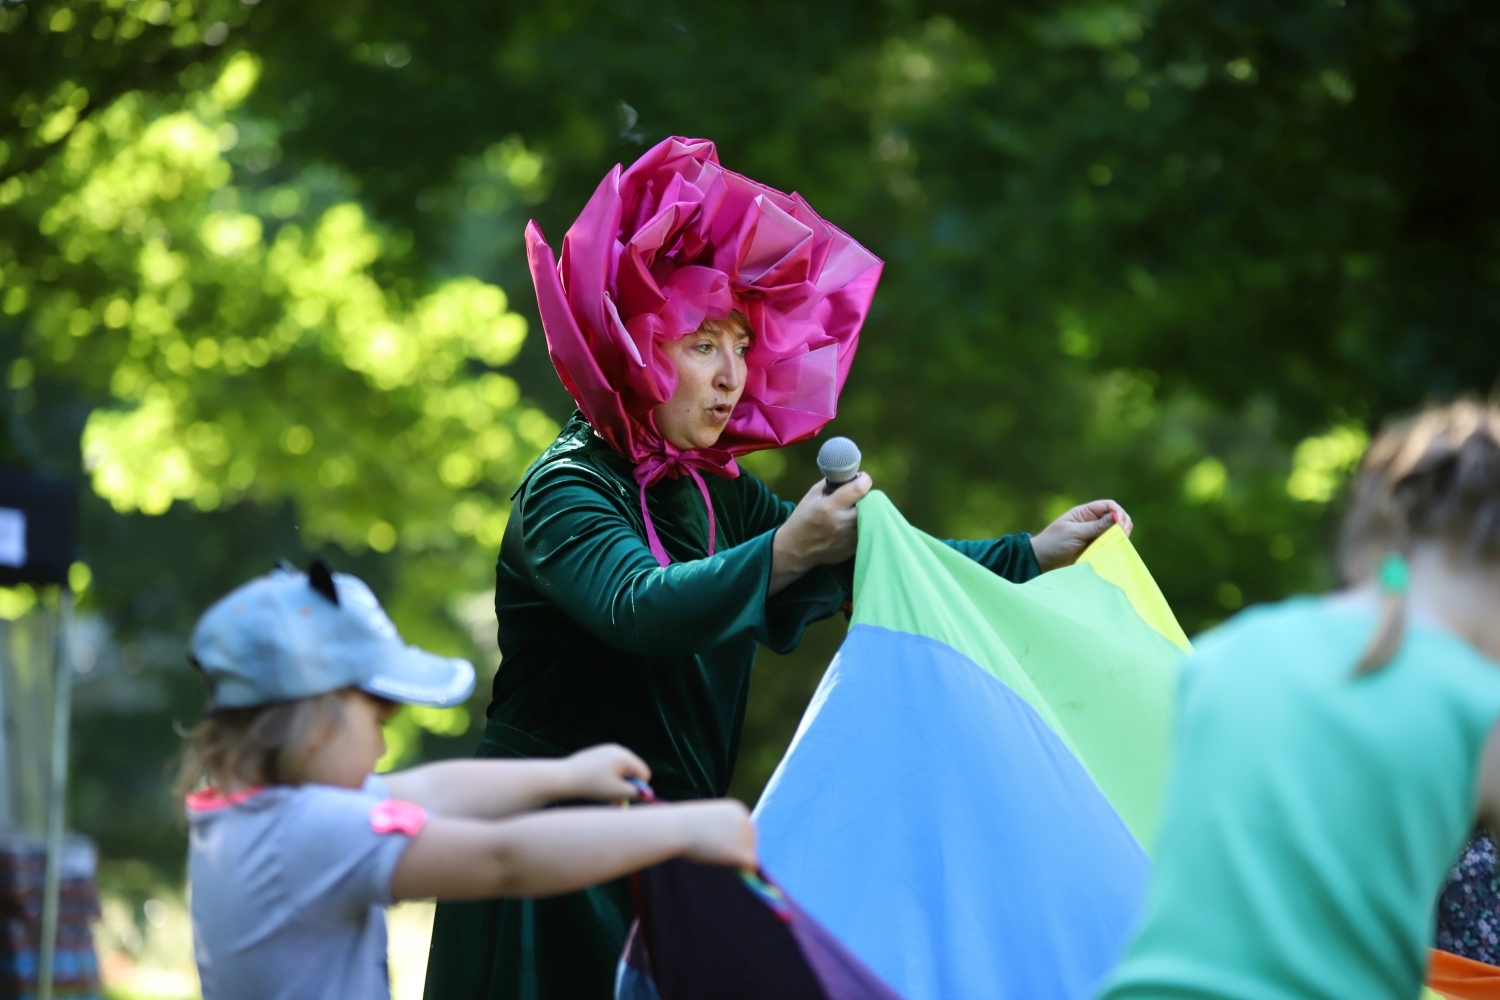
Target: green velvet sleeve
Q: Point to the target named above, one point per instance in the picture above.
(1009, 556)
(582, 547)
(583, 551)
(820, 593)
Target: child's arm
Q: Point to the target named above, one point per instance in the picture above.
(489, 789)
(562, 850)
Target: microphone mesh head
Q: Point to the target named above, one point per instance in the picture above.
(838, 460)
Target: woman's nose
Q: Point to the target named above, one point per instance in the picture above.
(730, 373)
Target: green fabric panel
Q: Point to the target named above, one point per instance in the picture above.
(1114, 558)
(1068, 642)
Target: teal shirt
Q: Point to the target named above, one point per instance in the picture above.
(1311, 816)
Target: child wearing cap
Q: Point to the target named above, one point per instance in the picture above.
(296, 846)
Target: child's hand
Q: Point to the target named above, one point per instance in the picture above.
(719, 833)
(600, 773)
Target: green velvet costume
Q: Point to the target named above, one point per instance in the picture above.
(601, 644)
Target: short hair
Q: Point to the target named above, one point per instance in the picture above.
(735, 323)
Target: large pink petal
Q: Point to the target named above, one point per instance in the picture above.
(659, 232)
(805, 382)
(620, 336)
(777, 238)
(637, 289)
(693, 295)
(588, 254)
(570, 353)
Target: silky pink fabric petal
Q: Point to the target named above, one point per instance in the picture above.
(571, 354)
(673, 241)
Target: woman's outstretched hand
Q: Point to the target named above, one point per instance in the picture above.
(822, 531)
(1063, 541)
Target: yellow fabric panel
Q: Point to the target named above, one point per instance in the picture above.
(1115, 559)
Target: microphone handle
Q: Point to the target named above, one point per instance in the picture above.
(829, 485)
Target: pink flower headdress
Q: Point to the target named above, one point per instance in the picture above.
(671, 242)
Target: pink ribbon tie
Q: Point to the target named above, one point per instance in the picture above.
(657, 549)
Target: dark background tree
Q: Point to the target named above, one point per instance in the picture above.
(1184, 254)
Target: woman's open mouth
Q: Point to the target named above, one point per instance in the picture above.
(720, 414)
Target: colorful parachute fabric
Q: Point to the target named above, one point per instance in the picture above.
(971, 797)
(706, 931)
(1453, 977)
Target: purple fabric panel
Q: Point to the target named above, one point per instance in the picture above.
(711, 936)
(843, 976)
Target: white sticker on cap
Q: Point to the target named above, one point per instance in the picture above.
(12, 537)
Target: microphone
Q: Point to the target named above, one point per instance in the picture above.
(838, 460)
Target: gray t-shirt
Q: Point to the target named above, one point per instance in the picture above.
(289, 886)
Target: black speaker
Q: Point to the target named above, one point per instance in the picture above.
(38, 528)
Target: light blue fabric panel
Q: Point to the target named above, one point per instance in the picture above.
(932, 821)
(633, 984)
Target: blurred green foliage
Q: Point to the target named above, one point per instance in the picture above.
(1188, 255)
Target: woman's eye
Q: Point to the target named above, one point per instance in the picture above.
(704, 348)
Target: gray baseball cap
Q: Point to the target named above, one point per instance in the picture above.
(294, 635)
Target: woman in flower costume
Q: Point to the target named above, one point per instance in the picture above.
(694, 315)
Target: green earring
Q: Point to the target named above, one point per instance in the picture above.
(1394, 576)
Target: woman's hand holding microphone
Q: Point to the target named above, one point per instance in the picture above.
(822, 531)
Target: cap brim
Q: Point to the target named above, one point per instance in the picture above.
(417, 677)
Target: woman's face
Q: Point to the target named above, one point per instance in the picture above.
(710, 377)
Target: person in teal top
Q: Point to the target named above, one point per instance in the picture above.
(1324, 782)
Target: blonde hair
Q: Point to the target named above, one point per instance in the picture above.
(264, 745)
(1431, 479)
